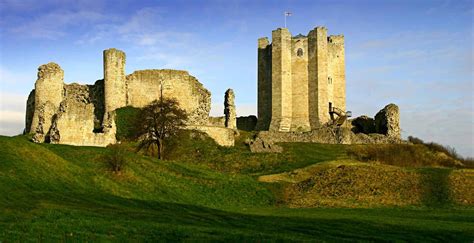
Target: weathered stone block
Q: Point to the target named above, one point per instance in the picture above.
(387, 121)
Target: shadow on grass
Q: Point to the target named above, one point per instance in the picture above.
(107, 217)
(436, 187)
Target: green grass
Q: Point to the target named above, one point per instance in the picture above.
(65, 193)
(239, 159)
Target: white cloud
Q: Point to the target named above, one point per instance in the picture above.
(15, 117)
(12, 113)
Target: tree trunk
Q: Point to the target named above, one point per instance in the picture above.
(160, 149)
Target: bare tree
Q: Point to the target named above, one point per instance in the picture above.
(159, 121)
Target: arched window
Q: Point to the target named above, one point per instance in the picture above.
(299, 52)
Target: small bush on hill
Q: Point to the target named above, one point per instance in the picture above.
(115, 158)
(415, 140)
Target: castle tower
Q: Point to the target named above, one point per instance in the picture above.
(318, 77)
(337, 71)
(281, 80)
(264, 84)
(48, 95)
(300, 79)
(115, 92)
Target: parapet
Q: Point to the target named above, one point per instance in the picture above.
(263, 42)
(336, 39)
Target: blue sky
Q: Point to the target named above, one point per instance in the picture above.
(417, 54)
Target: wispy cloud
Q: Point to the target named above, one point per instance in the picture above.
(8, 77)
(56, 24)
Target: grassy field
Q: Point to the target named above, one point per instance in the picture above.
(57, 192)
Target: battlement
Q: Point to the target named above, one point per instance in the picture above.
(336, 39)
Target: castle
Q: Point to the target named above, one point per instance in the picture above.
(85, 114)
(301, 98)
(301, 80)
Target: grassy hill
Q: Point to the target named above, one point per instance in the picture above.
(204, 192)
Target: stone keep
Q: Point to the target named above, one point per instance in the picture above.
(300, 79)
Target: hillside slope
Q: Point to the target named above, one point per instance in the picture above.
(66, 193)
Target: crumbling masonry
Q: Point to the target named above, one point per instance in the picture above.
(85, 114)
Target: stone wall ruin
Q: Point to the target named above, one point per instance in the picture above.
(85, 114)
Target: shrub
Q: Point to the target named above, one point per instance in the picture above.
(415, 140)
(115, 158)
(447, 150)
(468, 162)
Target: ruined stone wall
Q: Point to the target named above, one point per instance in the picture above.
(218, 121)
(229, 109)
(48, 96)
(114, 80)
(299, 79)
(145, 86)
(84, 114)
(264, 84)
(327, 135)
(336, 71)
(281, 81)
(30, 111)
(78, 121)
(222, 135)
(387, 121)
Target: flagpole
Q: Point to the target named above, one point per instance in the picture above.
(286, 14)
